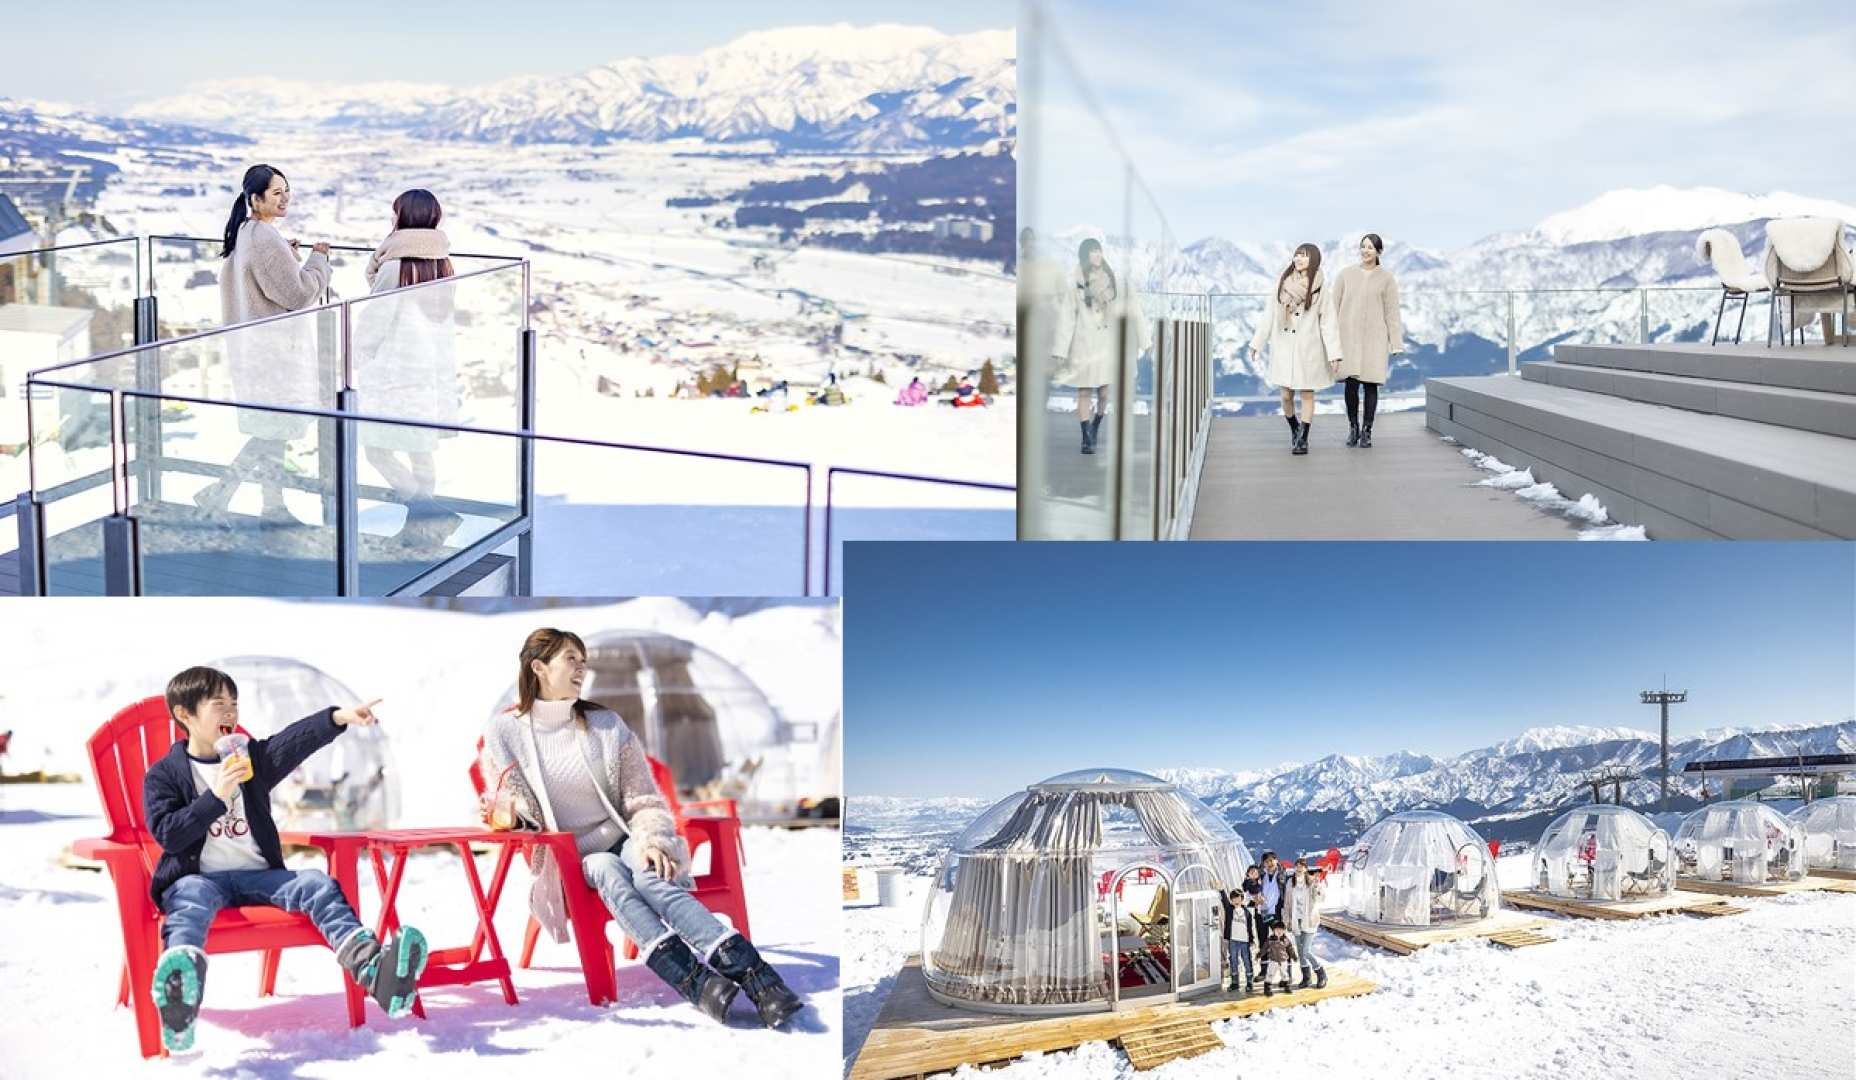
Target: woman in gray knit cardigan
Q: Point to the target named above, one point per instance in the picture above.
(566, 764)
(275, 363)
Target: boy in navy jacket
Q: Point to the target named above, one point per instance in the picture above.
(219, 849)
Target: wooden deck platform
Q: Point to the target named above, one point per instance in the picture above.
(1678, 901)
(1406, 942)
(915, 1035)
(1837, 875)
(1809, 883)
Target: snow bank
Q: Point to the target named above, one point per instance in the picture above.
(1586, 508)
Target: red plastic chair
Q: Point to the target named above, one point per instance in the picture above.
(722, 888)
(119, 755)
(1495, 849)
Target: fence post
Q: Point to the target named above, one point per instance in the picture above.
(1643, 316)
(31, 566)
(1512, 369)
(526, 345)
(147, 410)
(347, 496)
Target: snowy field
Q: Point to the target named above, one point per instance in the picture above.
(1766, 993)
(61, 952)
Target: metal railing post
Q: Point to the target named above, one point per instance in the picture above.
(347, 503)
(122, 572)
(526, 346)
(1163, 347)
(147, 410)
(1643, 316)
(1512, 369)
(31, 549)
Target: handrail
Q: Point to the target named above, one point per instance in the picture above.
(332, 247)
(831, 474)
(74, 247)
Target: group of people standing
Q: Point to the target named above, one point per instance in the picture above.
(1318, 336)
(1270, 923)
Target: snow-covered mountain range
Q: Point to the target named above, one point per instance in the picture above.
(840, 87)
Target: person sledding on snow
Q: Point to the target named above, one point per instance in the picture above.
(913, 394)
(967, 395)
(1279, 958)
(211, 813)
(829, 394)
(774, 399)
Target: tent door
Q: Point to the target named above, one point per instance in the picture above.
(1198, 933)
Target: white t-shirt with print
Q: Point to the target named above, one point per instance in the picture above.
(229, 843)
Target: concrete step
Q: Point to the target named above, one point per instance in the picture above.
(1828, 368)
(1807, 410)
(1678, 473)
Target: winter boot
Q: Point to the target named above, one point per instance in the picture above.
(1321, 978)
(1095, 430)
(1295, 432)
(1353, 434)
(1266, 988)
(1089, 445)
(1303, 985)
(390, 975)
(738, 960)
(677, 965)
(180, 977)
(1366, 436)
(1301, 438)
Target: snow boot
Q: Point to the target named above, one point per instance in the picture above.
(1295, 432)
(1089, 446)
(674, 963)
(1266, 988)
(1301, 438)
(1303, 985)
(180, 978)
(1321, 978)
(389, 974)
(1366, 436)
(738, 959)
(1353, 434)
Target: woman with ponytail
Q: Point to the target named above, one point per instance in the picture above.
(570, 765)
(275, 364)
(1304, 341)
(405, 360)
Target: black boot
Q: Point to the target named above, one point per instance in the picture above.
(1321, 978)
(180, 978)
(1303, 985)
(738, 960)
(1095, 430)
(1353, 434)
(1295, 431)
(1089, 444)
(1366, 435)
(1301, 438)
(677, 965)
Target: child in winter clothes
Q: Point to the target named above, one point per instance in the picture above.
(219, 849)
(1278, 958)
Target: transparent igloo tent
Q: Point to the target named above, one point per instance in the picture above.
(1744, 841)
(1091, 890)
(350, 785)
(1421, 868)
(708, 721)
(1603, 852)
(1829, 832)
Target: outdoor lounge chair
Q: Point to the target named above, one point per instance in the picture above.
(1807, 262)
(1739, 281)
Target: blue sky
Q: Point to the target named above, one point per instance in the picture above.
(1441, 122)
(122, 52)
(972, 669)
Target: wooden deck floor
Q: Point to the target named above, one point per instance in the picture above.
(1808, 883)
(1406, 942)
(915, 1035)
(1677, 901)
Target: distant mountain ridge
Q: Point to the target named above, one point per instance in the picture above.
(883, 88)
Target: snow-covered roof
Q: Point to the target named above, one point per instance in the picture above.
(16, 233)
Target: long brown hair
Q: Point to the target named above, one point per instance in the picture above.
(1314, 267)
(544, 645)
(419, 209)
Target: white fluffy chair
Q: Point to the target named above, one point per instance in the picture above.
(1739, 281)
(1806, 261)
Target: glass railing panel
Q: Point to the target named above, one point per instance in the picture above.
(621, 522)
(425, 494)
(71, 426)
(1687, 315)
(446, 351)
(239, 501)
(58, 305)
(1547, 318)
(865, 507)
(1448, 332)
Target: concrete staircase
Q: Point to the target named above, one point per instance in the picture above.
(1736, 442)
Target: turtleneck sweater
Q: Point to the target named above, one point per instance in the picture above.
(571, 794)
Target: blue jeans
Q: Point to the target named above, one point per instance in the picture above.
(1305, 949)
(191, 902)
(1240, 960)
(648, 908)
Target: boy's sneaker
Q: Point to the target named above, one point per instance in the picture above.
(180, 976)
(390, 975)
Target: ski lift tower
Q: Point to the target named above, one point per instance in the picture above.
(1664, 698)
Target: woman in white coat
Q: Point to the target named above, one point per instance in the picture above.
(1301, 913)
(1083, 352)
(1302, 332)
(1366, 296)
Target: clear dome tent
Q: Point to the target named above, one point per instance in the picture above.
(713, 726)
(353, 783)
(1829, 832)
(1743, 840)
(1421, 868)
(1090, 890)
(1603, 852)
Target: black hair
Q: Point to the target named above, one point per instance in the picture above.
(1082, 267)
(196, 684)
(1379, 246)
(1267, 856)
(257, 181)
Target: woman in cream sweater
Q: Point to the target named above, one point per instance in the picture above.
(570, 765)
(1304, 343)
(1366, 296)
